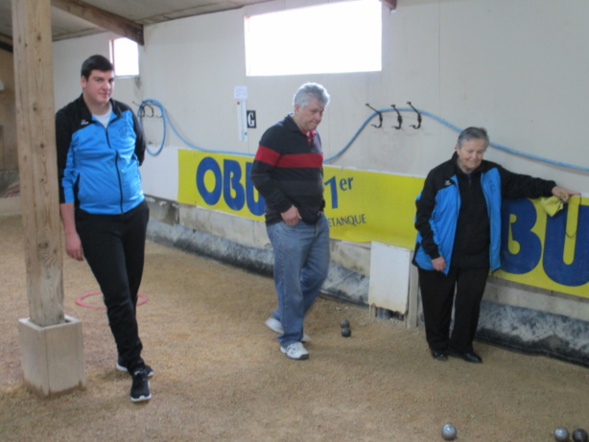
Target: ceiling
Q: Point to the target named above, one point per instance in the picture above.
(125, 17)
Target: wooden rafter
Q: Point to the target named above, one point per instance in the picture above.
(103, 19)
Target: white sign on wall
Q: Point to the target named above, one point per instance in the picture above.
(240, 97)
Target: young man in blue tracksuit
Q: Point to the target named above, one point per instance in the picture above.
(459, 237)
(100, 147)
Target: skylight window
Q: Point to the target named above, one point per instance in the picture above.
(332, 38)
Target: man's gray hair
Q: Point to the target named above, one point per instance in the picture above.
(306, 91)
(473, 133)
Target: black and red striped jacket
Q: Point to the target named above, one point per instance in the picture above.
(288, 170)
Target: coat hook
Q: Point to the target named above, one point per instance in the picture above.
(418, 117)
(143, 114)
(379, 116)
(399, 118)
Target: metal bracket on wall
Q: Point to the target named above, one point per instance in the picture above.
(379, 116)
(418, 117)
(399, 117)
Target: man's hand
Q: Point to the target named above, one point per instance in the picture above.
(73, 246)
(291, 216)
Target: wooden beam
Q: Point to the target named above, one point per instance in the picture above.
(37, 159)
(392, 4)
(103, 19)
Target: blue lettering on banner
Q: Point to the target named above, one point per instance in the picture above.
(231, 184)
(350, 220)
(573, 274)
(530, 247)
(345, 184)
(256, 207)
(209, 164)
(228, 183)
(577, 272)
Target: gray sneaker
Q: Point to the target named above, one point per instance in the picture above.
(295, 351)
(148, 369)
(274, 324)
(140, 387)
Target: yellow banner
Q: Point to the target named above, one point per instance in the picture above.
(362, 206)
(368, 206)
(550, 252)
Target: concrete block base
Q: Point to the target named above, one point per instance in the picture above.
(52, 357)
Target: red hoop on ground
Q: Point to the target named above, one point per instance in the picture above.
(141, 299)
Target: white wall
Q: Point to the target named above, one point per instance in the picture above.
(518, 68)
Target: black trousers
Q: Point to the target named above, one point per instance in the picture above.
(114, 246)
(462, 288)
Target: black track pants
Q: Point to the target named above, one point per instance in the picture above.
(462, 287)
(114, 246)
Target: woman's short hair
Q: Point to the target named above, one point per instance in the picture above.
(470, 133)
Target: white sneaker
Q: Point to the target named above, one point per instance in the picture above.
(274, 324)
(295, 351)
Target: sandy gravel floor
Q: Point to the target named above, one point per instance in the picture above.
(220, 374)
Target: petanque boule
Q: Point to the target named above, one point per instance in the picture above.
(344, 323)
(449, 432)
(561, 434)
(346, 332)
(580, 435)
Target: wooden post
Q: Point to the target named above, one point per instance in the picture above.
(51, 343)
(35, 126)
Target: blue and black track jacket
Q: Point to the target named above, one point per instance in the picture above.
(288, 170)
(99, 167)
(438, 207)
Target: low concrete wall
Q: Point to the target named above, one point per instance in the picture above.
(514, 316)
(341, 283)
(535, 332)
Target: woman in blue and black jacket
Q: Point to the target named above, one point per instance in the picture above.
(459, 238)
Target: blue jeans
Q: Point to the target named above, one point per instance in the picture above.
(301, 262)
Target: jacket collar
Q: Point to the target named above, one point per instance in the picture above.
(85, 112)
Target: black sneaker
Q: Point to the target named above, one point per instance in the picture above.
(148, 369)
(140, 387)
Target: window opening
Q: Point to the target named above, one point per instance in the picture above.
(124, 55)
(331, 38)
